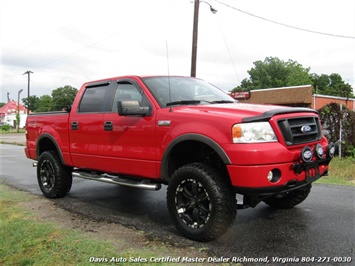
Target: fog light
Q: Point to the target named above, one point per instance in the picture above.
(319, 151)
(331, 150)
(306, 154)
(270, 176)
(274, 175)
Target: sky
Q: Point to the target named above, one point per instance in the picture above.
(69, 42)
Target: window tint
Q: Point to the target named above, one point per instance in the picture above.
(127, 91)
(93, 99)
(170, 89)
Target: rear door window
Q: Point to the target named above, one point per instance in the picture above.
(93, 100)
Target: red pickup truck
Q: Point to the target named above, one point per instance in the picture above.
(184, 133)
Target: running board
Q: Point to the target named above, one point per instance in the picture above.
(112, 179)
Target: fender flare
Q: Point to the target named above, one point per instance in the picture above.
(195, 137)
(52, 139)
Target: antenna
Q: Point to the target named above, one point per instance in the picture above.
(167, 59)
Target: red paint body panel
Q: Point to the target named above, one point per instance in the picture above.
(254, 176)
(136, 144)
(54, 125)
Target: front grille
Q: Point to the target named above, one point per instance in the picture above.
(291, 130)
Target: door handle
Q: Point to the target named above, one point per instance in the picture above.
(108, 126)
(74, 125)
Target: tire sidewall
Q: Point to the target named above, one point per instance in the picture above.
(216, 191)
(62, 176)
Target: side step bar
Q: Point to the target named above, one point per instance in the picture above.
(111, 179)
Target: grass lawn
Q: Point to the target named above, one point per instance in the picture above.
(341, 172)
(11, 131)
(25, 241)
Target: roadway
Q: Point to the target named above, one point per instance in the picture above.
(322, 226)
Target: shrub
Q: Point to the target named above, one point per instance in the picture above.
(5, 128)
(332, 120)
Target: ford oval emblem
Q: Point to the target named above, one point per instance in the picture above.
(306, 129)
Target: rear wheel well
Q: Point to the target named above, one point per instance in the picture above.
(192, 151)
(48, 144)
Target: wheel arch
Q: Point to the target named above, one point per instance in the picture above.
(178, 153)
(46, 142)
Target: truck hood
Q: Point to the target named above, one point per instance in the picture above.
(246, 112)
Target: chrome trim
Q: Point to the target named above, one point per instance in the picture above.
(111, 179)
(164, 123)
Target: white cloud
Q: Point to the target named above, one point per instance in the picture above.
(70, 42)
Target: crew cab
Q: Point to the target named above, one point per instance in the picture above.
(183, 132)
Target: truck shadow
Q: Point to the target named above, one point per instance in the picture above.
(147, 211)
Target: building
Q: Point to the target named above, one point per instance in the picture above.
(321, 100)
(300, 96)
(9, 111)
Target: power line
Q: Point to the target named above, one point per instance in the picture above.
(285, 25)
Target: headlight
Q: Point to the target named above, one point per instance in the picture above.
(253, 132)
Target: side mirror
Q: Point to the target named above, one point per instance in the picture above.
(131, 107)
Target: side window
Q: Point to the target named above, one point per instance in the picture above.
(93, 100)
(127, 91)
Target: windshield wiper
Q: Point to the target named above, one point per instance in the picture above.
(183, 102)
(223, 101)
(187, 102)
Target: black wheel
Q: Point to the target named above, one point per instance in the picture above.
(201, 204)
(54, 179)
(289, 199)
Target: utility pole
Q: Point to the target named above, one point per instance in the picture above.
(18, 118)
(28, 72)
(195, 34)
(194, 39)
(341, 128)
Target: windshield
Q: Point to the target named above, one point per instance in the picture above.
(185, 91)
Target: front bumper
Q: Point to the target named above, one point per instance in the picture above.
(252, 179)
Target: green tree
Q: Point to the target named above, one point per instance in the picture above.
(32, 104)
(18, 119)
(2, 104)
(332, 84)
(297, 75)
(62, 97)
(274, 72)
(44, 104)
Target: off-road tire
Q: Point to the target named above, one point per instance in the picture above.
(54, 179)
(290, 199)
(201, 203)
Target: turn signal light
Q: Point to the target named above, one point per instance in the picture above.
(237, 132)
